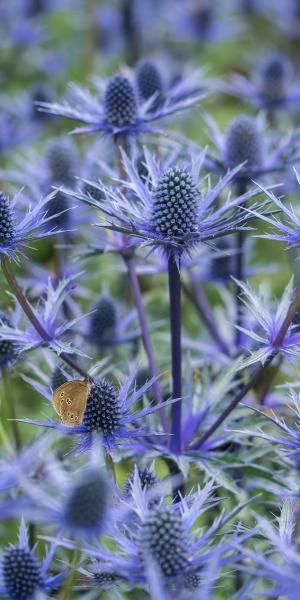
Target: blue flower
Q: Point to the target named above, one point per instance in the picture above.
(36, 224)
(271, 86)
(107, 328)
(171, 211)
(119, 112)
(247, 141)
(164, 536)
(109, 414)
(22, 574)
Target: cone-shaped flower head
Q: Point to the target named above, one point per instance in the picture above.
(59, 205)
(21, 573)
(61, 158)
(274, 76)
(149, 81)
(120, 101)
(203, 16)
(87, 502)
(103, 320)
(7, 229)
(163, 539)
(102, 413)
(8, 348)
(175, 204)
(243, 143)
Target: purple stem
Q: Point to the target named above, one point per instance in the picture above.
(13, 284)
(138, 300)
(256, 375)
(175, 326)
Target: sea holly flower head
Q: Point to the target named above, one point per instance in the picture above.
(270, 87)
(247, 140)
(22, 574)
(9, 350)
(108, 327)
(76, 501)
(243, 144)
(109, 415)
(172, 209)
(17, 235)
(119, 112)
(162, 535)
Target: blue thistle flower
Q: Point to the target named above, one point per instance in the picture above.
(243, 144)
(247, 139)
(75, 502)
(119, 112)
(9, 350)
(108, 414)
(120, 103)
(172, 211)
(62, 160)
(175, 204)
(37, 223)
(87, 502)
(103, 321)
(271, 86)
(22, 574)
(162, 536)
(149, 82)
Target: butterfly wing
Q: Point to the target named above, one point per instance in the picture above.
(69, 401)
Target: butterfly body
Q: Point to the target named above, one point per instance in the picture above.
(69, 401)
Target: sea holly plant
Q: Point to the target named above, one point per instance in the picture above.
(149, 390)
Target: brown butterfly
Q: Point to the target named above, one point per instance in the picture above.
(69, 401)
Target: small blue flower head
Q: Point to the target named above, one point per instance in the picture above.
(243, 144)
(248, 140)
(120, 111)
(274, 77)
(108, 326)
(21, 572)
(36, 224)
(149, 82)
(163, 538)
(271, 86)
(120, 103)
(62, 159)
(87, 501)
(9, 351)
(175, 204)
(103, 321)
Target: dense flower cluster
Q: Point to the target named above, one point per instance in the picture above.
(150, 300)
